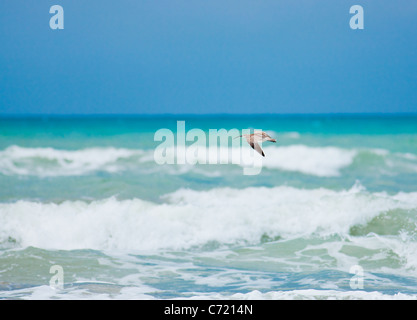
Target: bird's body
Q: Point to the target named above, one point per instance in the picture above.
(254, 138)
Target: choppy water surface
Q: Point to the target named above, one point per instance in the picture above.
(86, 194)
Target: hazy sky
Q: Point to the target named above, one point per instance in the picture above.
(207, 56)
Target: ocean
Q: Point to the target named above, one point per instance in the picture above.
(87, 213)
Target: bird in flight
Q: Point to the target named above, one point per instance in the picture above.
(256, 137)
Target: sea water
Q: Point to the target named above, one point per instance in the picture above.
(332, 214)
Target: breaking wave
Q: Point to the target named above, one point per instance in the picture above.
(188, 218)
(316, 161)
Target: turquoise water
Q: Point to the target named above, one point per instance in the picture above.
(334, 193)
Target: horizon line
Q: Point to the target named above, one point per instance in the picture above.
(162, 115)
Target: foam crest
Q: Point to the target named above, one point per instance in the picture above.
(190, 218)
(311, 294)
(54, 162)
(318, 161)
(324, 161)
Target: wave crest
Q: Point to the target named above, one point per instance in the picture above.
(189, 218)
(316, 161)
(42, 162)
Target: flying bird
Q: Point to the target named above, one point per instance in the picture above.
(254, 138)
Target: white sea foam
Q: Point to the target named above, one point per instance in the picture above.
(190, 218)
(93, 292)
(319, 161)
(316, 161)
(88, 291)
(55, 162)
(309, 294)
(46, 293)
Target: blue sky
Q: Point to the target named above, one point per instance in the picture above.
(207, 56)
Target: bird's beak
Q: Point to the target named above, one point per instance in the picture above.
(273, 140)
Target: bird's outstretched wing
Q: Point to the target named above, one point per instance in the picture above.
(257, 147)
(256, 137)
